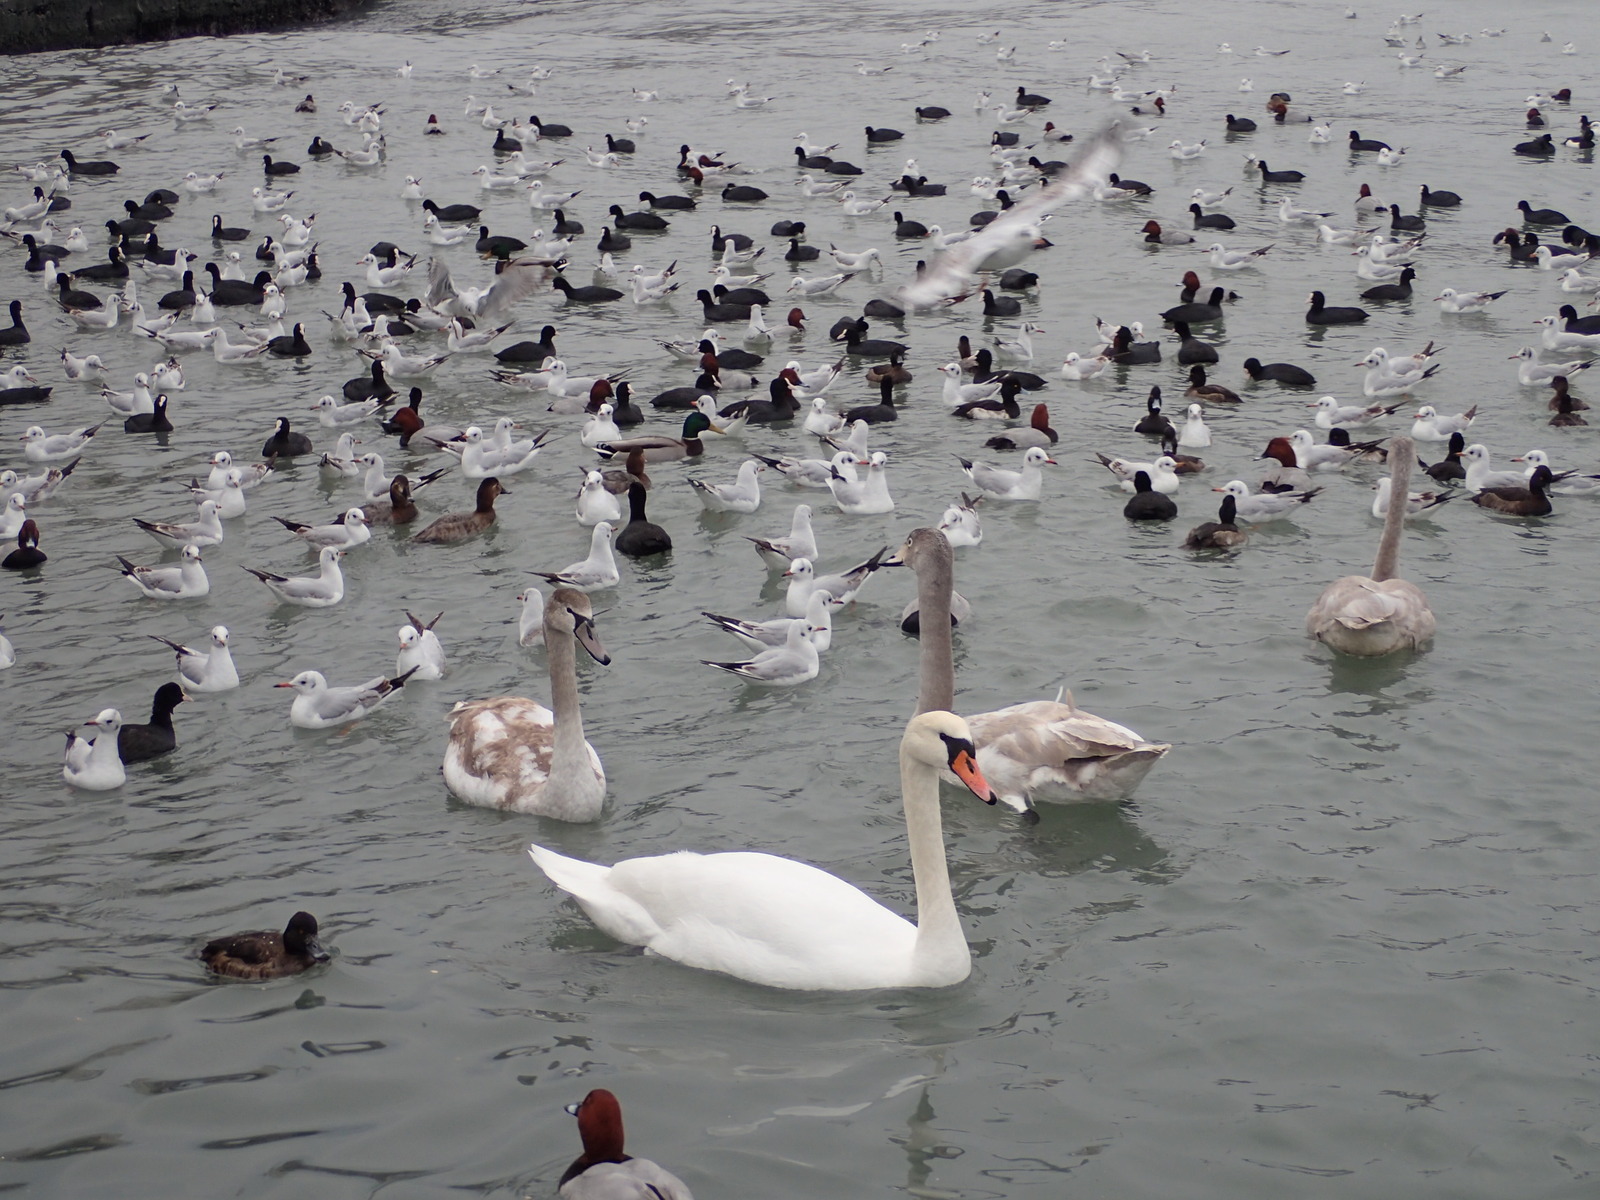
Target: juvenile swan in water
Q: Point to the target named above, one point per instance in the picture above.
(1381, 614)
(787, 924)
(513, 753)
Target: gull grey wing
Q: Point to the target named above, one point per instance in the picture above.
(951, 273)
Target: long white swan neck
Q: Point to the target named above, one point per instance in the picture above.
(941, 944)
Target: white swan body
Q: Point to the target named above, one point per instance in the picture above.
(786, 924)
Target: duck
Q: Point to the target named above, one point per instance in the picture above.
(875, 414)
(780, 923)
(1566, 405)
(95, 764)
(619, 481)
(1450, 468)
(1146, 504)
(1036, 751)
(657, 448)
(1198, 312)
(1268, 175)
(1205, 220)
(641, 537)
(603, 1171)
(1286, 373)
(285, 443)
(1209, 393)
(259, 954)
(139, 743)
(782, 406)
(458, 527)
(1520, 500)
(1372, 615)
(516, 755)
(1154, 235)
(27, 555)
(1126, 352)
(205, 670)
(1400, 289)
(399, 508)
(1036, 433)
(1321, 314)
(1154, 423)
(1191, 350)
(1221, 534)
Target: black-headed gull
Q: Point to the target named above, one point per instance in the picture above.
(205, 670)
(204, 530)
(95, 764)
(186, 581)
(1003, 484)
(421, 655)
(319, 705)
(788, 665)
(842, 587)
(309, 591)
(350, 530)
(597, 571)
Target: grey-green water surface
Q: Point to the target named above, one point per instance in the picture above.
(1341, 944)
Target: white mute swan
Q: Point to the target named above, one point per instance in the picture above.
(787, 924)
(512, 753)
(1380, 614)
(1040, 750)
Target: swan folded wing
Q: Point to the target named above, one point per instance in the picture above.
(1395, 611)
(499, 751)
(1357, 602)
(1044, 749)
(757, 916)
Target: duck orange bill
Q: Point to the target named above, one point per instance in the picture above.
(966, 769)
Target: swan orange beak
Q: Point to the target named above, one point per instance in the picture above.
(966, 769)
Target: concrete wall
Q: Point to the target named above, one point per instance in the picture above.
(30, 25)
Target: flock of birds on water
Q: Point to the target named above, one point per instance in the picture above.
(760, 917)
